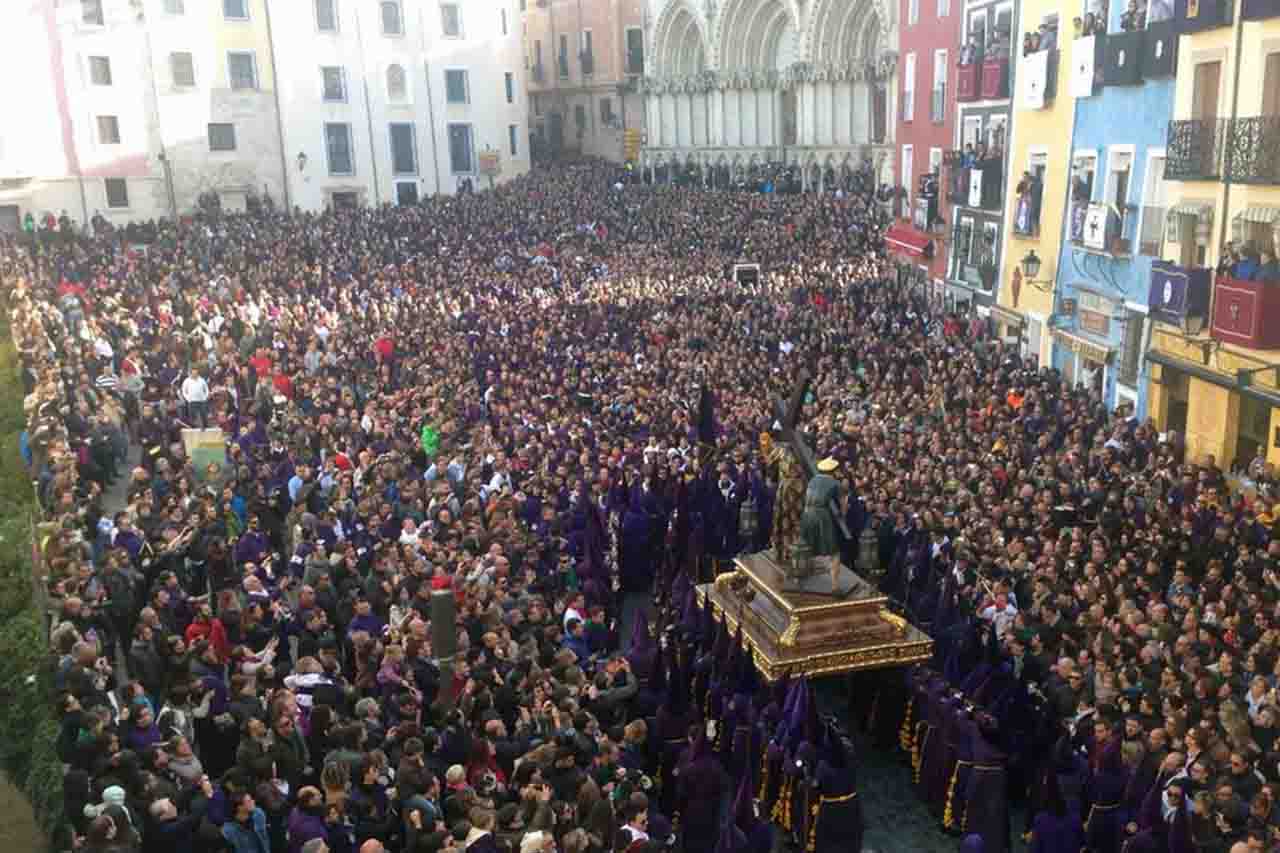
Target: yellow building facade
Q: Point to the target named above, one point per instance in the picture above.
(1214, 373)
(1039, 153)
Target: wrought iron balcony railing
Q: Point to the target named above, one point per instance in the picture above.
(1253, 150)
(1194, 149)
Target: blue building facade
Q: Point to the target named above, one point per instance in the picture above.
(1115, 210)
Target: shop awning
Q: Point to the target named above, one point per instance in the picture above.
(1262, 214)
(1084, 347)
(1197, 209)
(908, 241)
(1009, 318)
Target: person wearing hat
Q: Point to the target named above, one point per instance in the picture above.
(818, 523)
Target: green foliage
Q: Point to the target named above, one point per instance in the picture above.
(28, 729)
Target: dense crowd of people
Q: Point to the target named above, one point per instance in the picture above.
(495, 398)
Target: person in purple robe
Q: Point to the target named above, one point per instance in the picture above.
(1056, 828)
(986, 806)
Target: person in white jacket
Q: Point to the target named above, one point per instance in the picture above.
(195, 394)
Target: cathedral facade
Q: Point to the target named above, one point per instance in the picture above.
(734, 87)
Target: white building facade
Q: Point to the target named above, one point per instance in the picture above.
(732, 83)
(138, 109)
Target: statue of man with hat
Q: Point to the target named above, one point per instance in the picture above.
(818, 524)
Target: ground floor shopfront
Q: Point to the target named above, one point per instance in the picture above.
(1222, 401)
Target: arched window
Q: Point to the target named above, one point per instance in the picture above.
(397, 85)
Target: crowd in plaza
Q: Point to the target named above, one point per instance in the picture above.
(496, 396)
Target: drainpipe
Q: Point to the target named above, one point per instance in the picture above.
(368, 115)
(431, 102)
(275, 96)
(1226, 141)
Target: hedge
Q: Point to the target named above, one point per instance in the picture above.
(28, 730)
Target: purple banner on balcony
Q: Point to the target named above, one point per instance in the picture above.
(1177, 293)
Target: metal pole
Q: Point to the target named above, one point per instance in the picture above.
(368, 113)
(275, 96)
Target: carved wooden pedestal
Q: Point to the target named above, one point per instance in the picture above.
(794, 631)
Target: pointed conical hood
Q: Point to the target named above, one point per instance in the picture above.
(707, 626)
(658, 674)
(720, 648)
(677, 686)
(680, 589)
(799, 727)
(691, 614)
(643, 647)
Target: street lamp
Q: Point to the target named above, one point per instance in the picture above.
(302, 160)
(1031, 269)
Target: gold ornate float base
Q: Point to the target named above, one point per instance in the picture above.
(804, 633)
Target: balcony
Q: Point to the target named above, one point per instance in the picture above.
(938, 104)
(1253, 150)
(1246, 313)
(588, 63)
(1194, 149)
(1178, 295)
(1124, 54)
(1038, 79)
(635, 61)
(1088, 55)
(1201, 15)
(980, 186)
(538, 72)
(1259, 10)
(969, 82)
(1102, 229)
(1160, 49)
(995, 78)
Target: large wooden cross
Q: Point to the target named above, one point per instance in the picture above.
(788, 417)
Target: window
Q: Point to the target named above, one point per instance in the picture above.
(502, 18)
(451, 20)
(397, 84)
(460, 159)
(1119, 169)
(513, 139)
(108, 130)
(909, 88)
(1204, 91)
(337, 146)
(100, 70)
(908, 154)
(938, 98)
(944, 8)
(913, 12)
(509, 81)
(117, 192)
(404, 149)
(1131, 346)
(222, 136)
(91, 12)
(182, 68)
(242, 71)
(580, 116)
(326, 16)
(635, 50)
(606, 110)
(1151, 238)
(1271, 86)
(406, 192)
(334, 83)
(174, 7)
(564, 56)
(456, 90)
(235, 10)
(537, 104)
(392, 20)
(585, 56)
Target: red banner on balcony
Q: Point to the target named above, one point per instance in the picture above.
(907, 241)
(1246, 313)
(995, 75)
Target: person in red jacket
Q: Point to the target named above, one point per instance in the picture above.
(207, 626)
